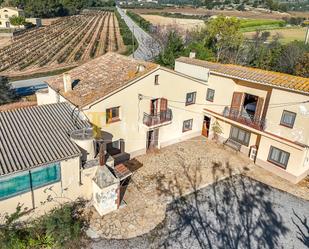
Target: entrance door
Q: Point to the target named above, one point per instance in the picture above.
(7, 24)
(152, 139)
(206, 126)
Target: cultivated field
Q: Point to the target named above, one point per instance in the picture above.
(186, 24)
(202, 11)
(286, 35)
(4, 41)
(66, 42)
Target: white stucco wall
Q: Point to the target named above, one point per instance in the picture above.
(131, 128)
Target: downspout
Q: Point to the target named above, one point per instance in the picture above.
(31, 189)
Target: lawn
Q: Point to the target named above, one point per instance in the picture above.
(237, 212)
(248, 25)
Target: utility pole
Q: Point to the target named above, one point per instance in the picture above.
(133, 41)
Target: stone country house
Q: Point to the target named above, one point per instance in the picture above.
(114, 108)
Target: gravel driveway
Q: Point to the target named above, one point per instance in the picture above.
(237, 212)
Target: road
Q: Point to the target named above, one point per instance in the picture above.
(235, 213)
(148, 47)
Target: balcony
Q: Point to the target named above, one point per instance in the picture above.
(243, 117)
(163, 117)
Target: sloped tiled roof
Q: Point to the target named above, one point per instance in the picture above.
(36, 136)
(100, 77)
(255, 75)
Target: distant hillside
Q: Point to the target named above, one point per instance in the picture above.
(281, 5)
(53, 8)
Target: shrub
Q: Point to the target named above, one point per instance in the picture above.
(143, 23)
(61, 228)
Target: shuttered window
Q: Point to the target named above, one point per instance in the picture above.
(278, 157)
(23, 182)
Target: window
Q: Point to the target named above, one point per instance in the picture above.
(23, 182)
(190, 98)
(288, 119)
(112, 115)
(187, 125)
(210, 95)
(278, 157)
(157, 79)
(239, 135)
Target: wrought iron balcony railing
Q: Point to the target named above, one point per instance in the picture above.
(157, 119)
(245, 118)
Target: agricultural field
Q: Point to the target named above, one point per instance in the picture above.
(66, 42)
(185, 24)
(285, 35)
(202, 11)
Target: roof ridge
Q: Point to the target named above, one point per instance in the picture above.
(252, 74)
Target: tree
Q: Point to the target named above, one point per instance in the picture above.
(302, 66)
(217, 130)
(17, 21)
(6, 93)
(173, 49)
(223, 34)
(290, 56)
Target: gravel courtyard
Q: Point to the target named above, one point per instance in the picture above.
(237, 212)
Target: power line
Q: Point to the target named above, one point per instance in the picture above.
(227, 105)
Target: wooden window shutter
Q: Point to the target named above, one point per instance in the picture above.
(163, 105)
(259, 108)
(237, 100)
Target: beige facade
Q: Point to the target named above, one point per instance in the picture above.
(6, 13)
(267, 131)
(134, 103)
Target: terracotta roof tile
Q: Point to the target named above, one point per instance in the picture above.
(100, 77)
(253, 74)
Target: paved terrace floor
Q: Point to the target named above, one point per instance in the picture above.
(177, 170)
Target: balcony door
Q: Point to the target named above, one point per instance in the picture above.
(154, 103)
(246, 106)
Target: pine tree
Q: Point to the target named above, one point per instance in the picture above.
(6, 93)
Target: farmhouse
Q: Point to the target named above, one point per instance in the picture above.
(114, 108)
(6, 13)
(262, 114)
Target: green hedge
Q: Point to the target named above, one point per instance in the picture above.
(126, 35)
(140, 21)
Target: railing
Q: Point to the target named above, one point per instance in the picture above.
(245, 118)
(159, 118)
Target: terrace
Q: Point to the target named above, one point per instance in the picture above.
(177, 170)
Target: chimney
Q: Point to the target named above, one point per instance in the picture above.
(140, 68)
(102, 155)
(67, 82)
(192, 55)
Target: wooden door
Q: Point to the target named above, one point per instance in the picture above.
(237, 100)
(258, 109)
(163, 109)
(206, 126)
